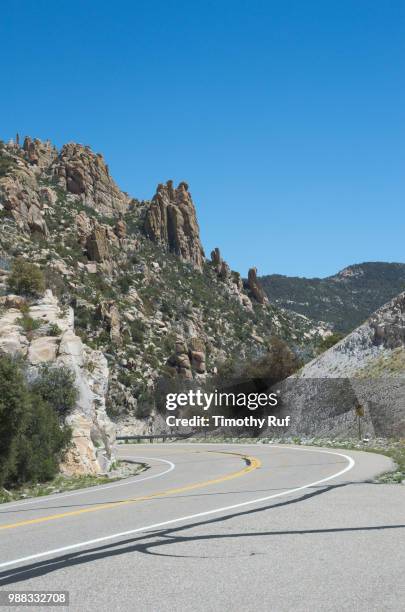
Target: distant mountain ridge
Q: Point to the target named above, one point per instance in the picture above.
(343, 300)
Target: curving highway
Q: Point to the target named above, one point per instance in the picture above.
(217, 527)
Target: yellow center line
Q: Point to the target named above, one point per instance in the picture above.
(253, 464)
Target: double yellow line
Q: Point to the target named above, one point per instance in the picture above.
(252, 464)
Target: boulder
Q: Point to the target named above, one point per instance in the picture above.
(97, 245)
(42, 350)
(120, 229)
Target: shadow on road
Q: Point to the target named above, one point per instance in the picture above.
(150, 542)
(18, 510)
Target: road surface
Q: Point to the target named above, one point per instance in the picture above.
(217, 527)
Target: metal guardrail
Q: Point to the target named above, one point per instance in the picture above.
(162, 437)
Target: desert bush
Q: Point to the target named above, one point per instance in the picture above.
(26, 278)
(31, 441)
(56, 386)
(28, 323)
(54, 330)
(329, 341)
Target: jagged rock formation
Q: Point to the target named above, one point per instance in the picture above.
(20, 196)
(93, 432)
(255, 288)
(171, 221)
(39, 153)
(221, 267)
(84, 173)
(232, 280)
(366, 368)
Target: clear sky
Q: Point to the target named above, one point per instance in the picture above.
(285, 117)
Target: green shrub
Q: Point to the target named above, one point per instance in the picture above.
(54, 330)
(329, 341)
(26, 278)
(28, 323)
(40, 448)
(124, 283)
(31, 441)
(56, 386)
(137, 329)
(7, 164)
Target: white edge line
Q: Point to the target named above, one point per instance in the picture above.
(113, 536)
(95, 489)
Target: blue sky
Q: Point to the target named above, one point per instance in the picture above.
(285, 117)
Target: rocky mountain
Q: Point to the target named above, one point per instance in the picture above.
(367, 369)
(134, 276)
(344, 300)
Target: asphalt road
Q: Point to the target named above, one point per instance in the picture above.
(217, 528)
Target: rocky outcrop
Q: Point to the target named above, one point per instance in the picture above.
(120, 229)
(85, 174)
(93, 433)
(232, 280)
(388, 324)
(109, 314)
(197, 355)
(221, 267)
(97, 244)
(18, 195)
(189, 357)
(182, 359)
(95, 238)
(38, 153)
(171, 221)
(255, 287)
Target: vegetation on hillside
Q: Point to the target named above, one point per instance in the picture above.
(32, 440)
(26, 278)
(344, 300)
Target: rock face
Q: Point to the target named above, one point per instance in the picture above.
(221, 267)
(97, 245)
(37, 153)
(109, 313)
(197, 355)
(20, 198)
(84, 173)
(366, 368)
(171, 221)
(93, 433)
(95, 238)
(120, 229)
(189, 358)
(255, 287)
